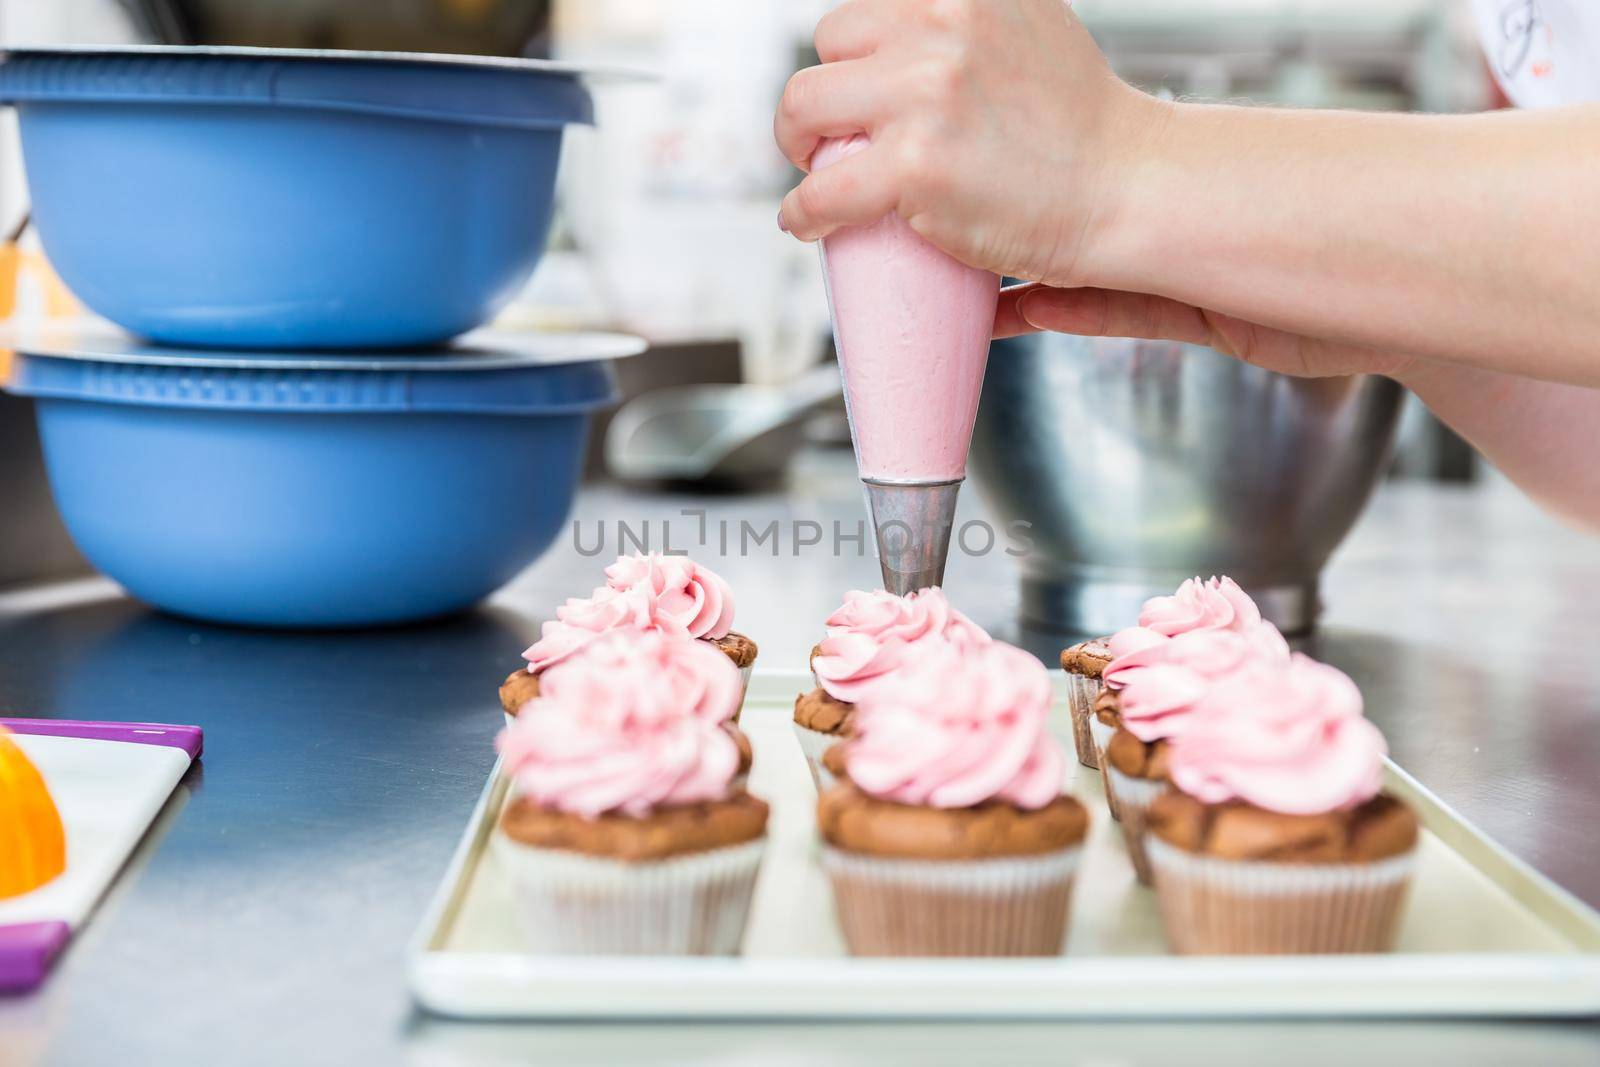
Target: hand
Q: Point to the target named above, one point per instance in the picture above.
(1109, 313)
(997, 130)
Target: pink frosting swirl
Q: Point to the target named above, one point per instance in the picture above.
(952, 729)
(1164, 683)
(1216, 604)
(672, 594)
(683, 595)
(1289, 737)
(884, 615)
(582, 619)
(1127, 647)
(870, 633)
(1197, 607)
(686, 674)
(631, 723)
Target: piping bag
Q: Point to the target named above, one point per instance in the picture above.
(911, 326)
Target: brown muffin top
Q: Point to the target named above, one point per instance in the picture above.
(738, 648)
(1087, 658)
(747, 754)
(1378, 829)
(662, 834)
(819, 711)
(811, 660)
(519, 687)
(833, 758)
(1136, 758)
(855, 822)
(1108, 707)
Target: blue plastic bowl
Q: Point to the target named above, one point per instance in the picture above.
(259, 199)
(354, 494)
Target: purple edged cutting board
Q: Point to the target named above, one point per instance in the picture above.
(28, 949)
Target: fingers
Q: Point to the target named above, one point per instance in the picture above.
(833, 100)
(852, 192)
(1008, 320)
(853, 29)
(1109, 313)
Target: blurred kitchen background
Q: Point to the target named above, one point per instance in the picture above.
(665, 220)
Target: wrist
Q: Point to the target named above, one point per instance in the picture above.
(1132, 149)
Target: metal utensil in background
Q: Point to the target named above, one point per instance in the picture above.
(476, 27)
(1140, 463)
(718, 435)
(159, 21)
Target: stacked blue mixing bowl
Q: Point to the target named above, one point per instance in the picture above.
(297, 237)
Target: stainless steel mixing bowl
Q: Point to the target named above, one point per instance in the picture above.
(1141, 463)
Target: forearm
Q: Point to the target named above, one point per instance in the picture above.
(1545, 436)
(1460, 238)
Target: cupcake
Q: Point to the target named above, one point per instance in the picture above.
(626, 831)
(1084, 663)
(948, 834)
(1215, 604)
(867, 638)
(672, 594)
(1161, 695)
(1277, 838)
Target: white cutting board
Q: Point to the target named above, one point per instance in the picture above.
(108, 789)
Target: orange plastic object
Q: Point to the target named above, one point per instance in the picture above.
(10, 261)
(33, 845)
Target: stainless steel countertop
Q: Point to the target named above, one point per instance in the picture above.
(264, 920)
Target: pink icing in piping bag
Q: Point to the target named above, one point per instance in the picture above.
(911, 326)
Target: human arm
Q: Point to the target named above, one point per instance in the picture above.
(1434, 249)
(1000, 134)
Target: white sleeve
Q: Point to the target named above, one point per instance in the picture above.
(1542, 52)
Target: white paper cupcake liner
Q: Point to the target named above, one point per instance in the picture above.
(1211, 905)
(744, 688)
(692, 905)
(1134, 797)
(814, 743)
(1102, 734)
(1081, 693)
(1013, 906)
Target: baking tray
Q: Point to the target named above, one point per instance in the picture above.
(1483, 934)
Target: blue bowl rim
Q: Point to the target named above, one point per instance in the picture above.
(485, 348)
(591, 73)
(474, 381)
(528, 96)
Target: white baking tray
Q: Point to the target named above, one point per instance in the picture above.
(1483, 934)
